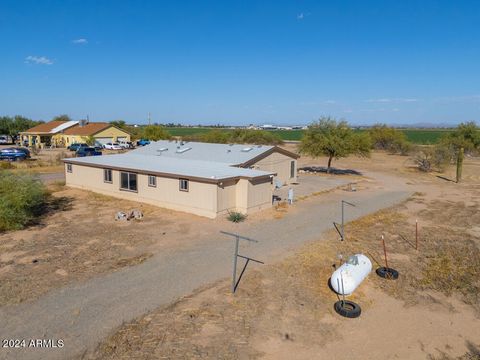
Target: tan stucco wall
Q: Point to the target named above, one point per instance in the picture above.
(251, 197)
(113, 132)
(279, 164)
(226, 197)
(201, 199)
(204, 199)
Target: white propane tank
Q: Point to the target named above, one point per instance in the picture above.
(353, 272)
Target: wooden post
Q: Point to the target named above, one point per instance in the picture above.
(385, 251)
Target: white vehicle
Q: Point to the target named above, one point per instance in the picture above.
(6, 139)
(126, 144)
(112, 146)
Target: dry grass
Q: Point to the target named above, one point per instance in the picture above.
(284, 300)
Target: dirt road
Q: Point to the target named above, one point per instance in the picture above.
(82, 314)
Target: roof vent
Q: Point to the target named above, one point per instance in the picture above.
(247, 149)
(229, 150)
(162, 149)
(181, 151)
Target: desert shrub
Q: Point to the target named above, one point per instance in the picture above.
(390, 139)
(248, 136)
(22, 198)
(155, 133)
(215, 136)
(436, 157)
(238, 136)
(236, 217)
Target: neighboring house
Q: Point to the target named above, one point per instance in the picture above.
(45, 135)
(102, 132)
(199, 178)
(63, 133)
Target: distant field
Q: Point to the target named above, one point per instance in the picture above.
(417, 136)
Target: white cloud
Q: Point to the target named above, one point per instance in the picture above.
(391, 100)
(41, 60)
(80, 41)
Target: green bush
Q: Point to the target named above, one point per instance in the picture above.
(389, 139)
(236, 217)
(155, 133)
(237, 136)
(22, 199)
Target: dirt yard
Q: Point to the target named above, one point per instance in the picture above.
(285, 310)
(82, 239)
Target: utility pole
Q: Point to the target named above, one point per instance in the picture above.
(149, 119)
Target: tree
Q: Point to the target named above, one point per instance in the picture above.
(155, 133)
(121, 124)
(63, 117)
(91, 141)
(388, 138)
(14, 125)
(327, 137)
(465, 138)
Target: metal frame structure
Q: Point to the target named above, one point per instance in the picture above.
(236, 255)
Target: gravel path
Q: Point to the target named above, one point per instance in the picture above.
(83, 314)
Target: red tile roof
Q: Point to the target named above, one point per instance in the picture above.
(88, 129)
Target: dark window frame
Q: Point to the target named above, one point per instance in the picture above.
(187, 182)
(292, 169)
(129, 174)
(69, 168)
(154, 181)
(106, 178)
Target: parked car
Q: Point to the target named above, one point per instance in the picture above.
(6, 139)
(76, 146)
(112, 146)
(14, 154)
(126, 144)
(143, 142)
(87, 151)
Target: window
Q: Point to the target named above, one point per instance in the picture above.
(292, 169)
(69, 168)
(128, 181)
(152, 180)
(107, 175)
(183, 185)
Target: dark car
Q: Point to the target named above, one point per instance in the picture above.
(76, 146)
(87, 151)
(14, 154)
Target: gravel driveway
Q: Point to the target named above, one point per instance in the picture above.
(82, 314)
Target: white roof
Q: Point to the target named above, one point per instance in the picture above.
(233, 154)
(63, 126)
(169, 165)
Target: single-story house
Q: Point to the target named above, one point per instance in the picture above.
(199, 178)
(102, 132)
(59, 133)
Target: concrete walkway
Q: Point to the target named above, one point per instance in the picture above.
(82, 314)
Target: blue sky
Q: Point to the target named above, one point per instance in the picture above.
(241, 62)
